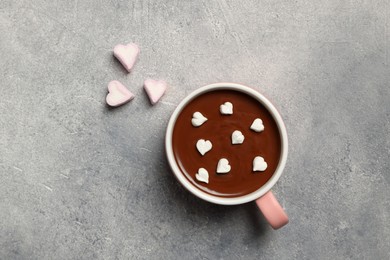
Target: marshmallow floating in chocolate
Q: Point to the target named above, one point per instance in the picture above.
(198, 119)
(257, 125)
(203, 146)
(202, 175)
(259, 164)
(226, 108)
(118, 94)
(237, 137)
(223, 166)
(126, 54)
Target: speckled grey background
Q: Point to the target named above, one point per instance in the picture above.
(81, 181)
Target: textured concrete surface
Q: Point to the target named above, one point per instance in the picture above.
(81, 181)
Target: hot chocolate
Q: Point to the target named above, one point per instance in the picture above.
(240, 151)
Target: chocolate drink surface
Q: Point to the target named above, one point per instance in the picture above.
(241, 179)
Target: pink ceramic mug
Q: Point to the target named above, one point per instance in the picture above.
(264, 198)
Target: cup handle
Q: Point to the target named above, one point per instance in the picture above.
(272, 211)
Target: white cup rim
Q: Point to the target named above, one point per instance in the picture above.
(208, 197)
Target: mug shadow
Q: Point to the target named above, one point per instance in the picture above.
(258, 225)
(251, 216)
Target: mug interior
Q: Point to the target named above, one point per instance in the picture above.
(209, 197)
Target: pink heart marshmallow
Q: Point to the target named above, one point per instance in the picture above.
(127, 54)
(155, 89)
(118, 94)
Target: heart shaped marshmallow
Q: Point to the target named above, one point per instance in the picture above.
(118, 94)
(202, 175)
(257, 125)
(223, 166)
(237, 137)
(259, 165)
(126, 54)
(226, 108)
(198, 119)
(155, 89)
(203, 146)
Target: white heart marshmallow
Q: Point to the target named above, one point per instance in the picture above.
(226, 108)
(237, 137)
(202, 175)
(257, 125)
(259, 164)
(203, 146)
(223, 166)
(198, 119)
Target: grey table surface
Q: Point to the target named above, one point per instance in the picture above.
(81, 181)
